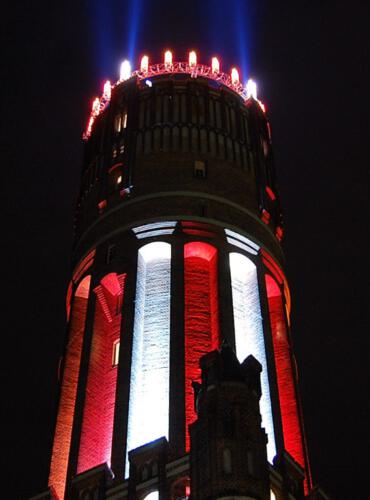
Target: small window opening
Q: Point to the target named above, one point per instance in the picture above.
(250, 462)
(226, 461)
(119, 179)
(118, 123)
(124, 120)
(155, 469)
(200, 170)
(122, 148)
(115, 353)
(114, 152)
(111, 253)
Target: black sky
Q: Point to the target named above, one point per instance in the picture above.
(310, 60)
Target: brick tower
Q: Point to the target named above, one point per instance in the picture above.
(177, 251)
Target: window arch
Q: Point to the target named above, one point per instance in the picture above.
(249, 337)
(97, 423)
(284, 371)
(149, 381)
(226, 461)
(154, 495)
(63, 430)
(201, 314)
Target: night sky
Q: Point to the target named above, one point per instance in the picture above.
(309, 59)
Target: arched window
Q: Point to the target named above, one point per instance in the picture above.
(284, 372)
(97, 423)
(154, 495)
(226, 461)
(249, 332)
(63, 430)
(272, 495)
(149, 381)
(201, 314)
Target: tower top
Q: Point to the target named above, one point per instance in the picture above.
(190, 67)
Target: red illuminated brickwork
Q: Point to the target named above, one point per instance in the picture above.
(201, 315)
(63, 430)
(97, 425)
(293, 439)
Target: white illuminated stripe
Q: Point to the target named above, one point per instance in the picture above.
(154, 225)
(249, 332)
(159, 232)
(241, 245)
(242, 238)
(149, 382)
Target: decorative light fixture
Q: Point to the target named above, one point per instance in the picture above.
(107, 90)
(251, 89)
(144, 64)
(168, 58)
(234, 76)
(215, 65)
(125, 71)
(95, 106)
(192, 58)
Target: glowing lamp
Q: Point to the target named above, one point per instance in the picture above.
(96, 105)
(107, 90)
(215, 65)
(125, 71)
(168, 58)
(234, 76)
(144, 64)
(251, 89)
(192, 58)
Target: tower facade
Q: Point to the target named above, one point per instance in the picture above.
(177, 251)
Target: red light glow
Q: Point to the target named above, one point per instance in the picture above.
(270, 193)
(292, 432)
(265, 216)
(63, 429)
(97, 424)
(201, 316)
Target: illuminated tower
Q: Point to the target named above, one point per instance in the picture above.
(177, 249)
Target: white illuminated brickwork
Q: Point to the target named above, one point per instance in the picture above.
(249, 332)
(149, 383)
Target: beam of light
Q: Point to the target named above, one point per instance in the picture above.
(148, 417)
(144, 64)
(63, 428)
(251, 88)
(133, 24)
(192, 58)
(234, 76)
(249, 333)
(107, 90)
(125, 70)
(242, 17)
(168, 58)
(215, 65)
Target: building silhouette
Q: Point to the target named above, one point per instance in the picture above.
(178, 378)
